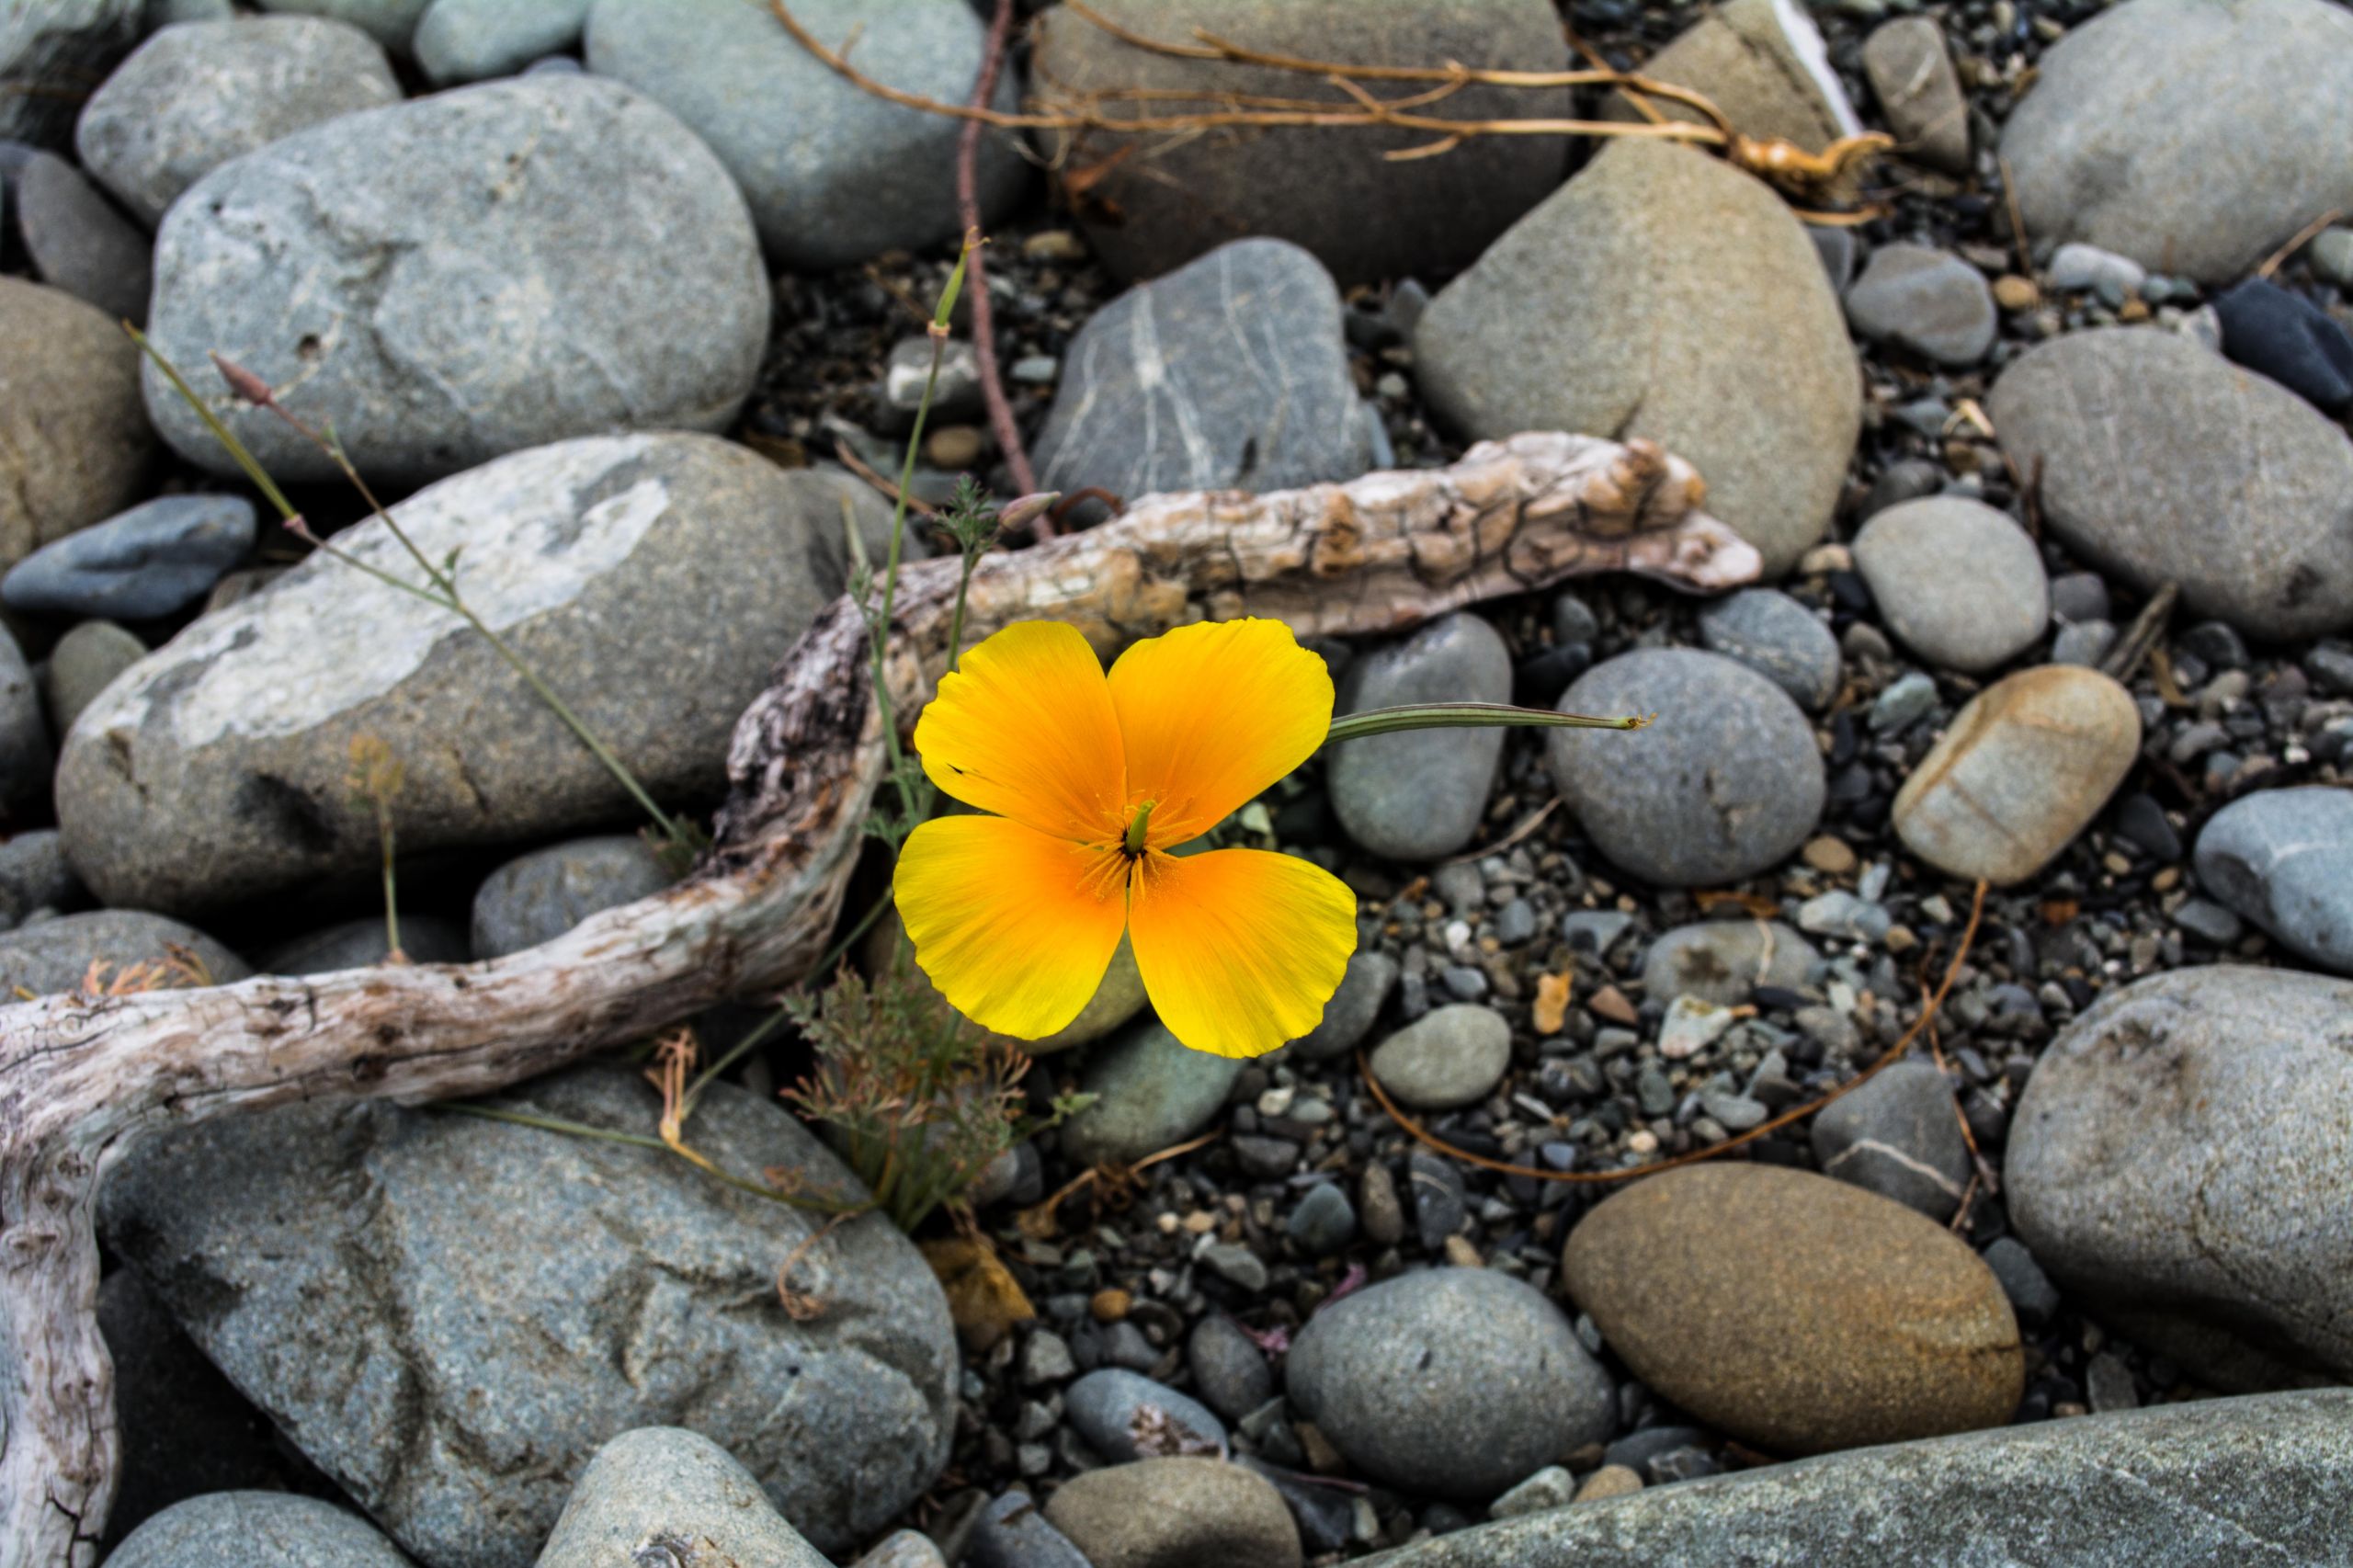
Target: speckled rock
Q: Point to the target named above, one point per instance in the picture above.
(1661, 293)
(256, 1529)
(56, 955)
(2284, 859)
(1451, 1056)
(1724, 961)
(74, 440)
(2023, 766)
(654, 577)
(2163, 462)
(460, 276)
(2177, 1159)
(1723, 784)
(1960, 583)
(1796, 1313)
(1761, 61)
(1149, 1092)
(198, 94)
(1898, 1136)
(537, 897)
(1176, 1513)
(673, 1486)
(1420, 795)
(390, 22)
(1779, 639)
(449, 1315)
(1457, 1383)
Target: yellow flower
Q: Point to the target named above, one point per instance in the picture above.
(1091, 780)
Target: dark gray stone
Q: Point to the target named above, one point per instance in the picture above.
(832, 174)
(77, 241)
(462, 275)
(59, 44)
(74, 439)
(1125, 1416)
(1452, 1383)
(1723, 784)
(1898, 1136)
(1958, 582)
(2172, 1157)
(27, 759)
(449, 1315)
(466, 40)
(1779, 639)
(1348, 1016)
(2167, 130)
(1451, 1056)
(363, 943)
(537, 897)
(655, 578)
(1011, 1532)
(197, 95)
(1420, 795)
(1724, 961)
(86, 661)
(2284, 859)
(152, 561)
(1924, 299)
(1322, 1221)
(1149, 1092)
(2162, 462)
(2277, 332)
(1228, 1367)
(256, 1529)
(1229, 372)
(35, 874)
(2032, 1295)
(661, 1484)
(56, 955)
(2218, 1481)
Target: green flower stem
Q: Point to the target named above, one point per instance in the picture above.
(1467, 716)
(639, 1141)
(955, 624)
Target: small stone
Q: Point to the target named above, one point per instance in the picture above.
(1957, 581)
(1902, 703)
(2331, 256)
(1762, 64)
(1829, 855)
(2032, 1294)
(1228, 1367)
(1124, 1416)
(1778, 638)
(2084, 642)
(1149, 1092)
(1170, 1512)
(468, 40)
(1420, 795)
(1924, 299)
(537, 897)
(1046, 1359)
(74, 441)
(1898, 1136)
(2284, 859)
(34, 872)
(2210, 921)
(86, 660)
(1237, 1264)
(1552, 1487)
(1691, 1025)
(259, 1530)
(1324, 1222)
(2281, 334)
(1451, 1056)
(27, 757)
(1911, 75)
(2080, 596)
(150, 561)
(955, 394)
(1383, 1214)
(2078, 269)
(2016, 295)
(77, 241)
(665, 1484)
(1724, 961)
(1609, 1480)
(1440, 1205)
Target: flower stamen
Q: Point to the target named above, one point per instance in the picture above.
(1134, 844)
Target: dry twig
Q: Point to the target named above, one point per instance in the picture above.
(968, 216)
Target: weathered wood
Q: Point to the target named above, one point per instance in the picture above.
(81, 1078)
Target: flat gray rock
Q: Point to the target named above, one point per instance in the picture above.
(537, 897)
(665, 1495)
(1229, 373)
(454, 278)
(59, 43)
(2222, 1480)
(1724, 961)
(2193, 136)
(1724, 783)
(834, 174)
(56, 955)
(1958, 582)
(653, 578)
(78, 242)
(466, 40)
(152, 561)
(2284, 859)
(2179, 1159)
(256, 1529)
(1450, 1056)
(1662, 294)
(1898, 1136)
(196, 95)
(452, 1315)
(1149, 1092)
(1924, 299)
(75, 442)
(2163, 462)
(1779, 639)
(1421, 795)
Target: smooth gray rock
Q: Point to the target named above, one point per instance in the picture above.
(1723, 784)
(653, 578)
(1149, 1092)
(256, 1529)
(466, 40)
(198, 94)
(56, 955)
(1123, 1416)
(1779, 639)
(74, 440)
(1911, 74)
(1011, 1532)
(537, 897)
(363, 943)
(1900, 1137)
(666, 1492)
(1958, 582)
(460, 276)
(832, 174)
(34, 872)
(1924, 299)
(1421, 795)
(152, 561)
(2218, 1481)
(1230, 373)
(2191, 135)
(2077, 267)
(1664, 294)
(1724, 961)
(1453, 1383)
(1348, 1016)
(1322, 1221)
(68, 44)
(389, 22)
(2176, 1160)
(77, 241)
(86, 661)
(1368, 219)
(1451, 1056)
(2163, 462)
(2284, 859)
(1762, 62)
(1164, 1513)
(1228, 1367)
(449, 1315)
(26, 758)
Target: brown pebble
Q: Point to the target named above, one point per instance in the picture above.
(954, 446)
(1110, 1306)
(1462, 1254)
(1609, 1480)
(2015, 293)
(1611, 1003)
(1829, 855)
(1054, 245)
(1377, 1209)
(1321, 1457)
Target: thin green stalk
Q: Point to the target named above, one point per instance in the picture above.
(956, 623)
(1466, 716)
(639, 1141)
(237, 448)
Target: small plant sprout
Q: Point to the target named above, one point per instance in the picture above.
(376, 777)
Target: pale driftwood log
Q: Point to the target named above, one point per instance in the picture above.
(81, 1078)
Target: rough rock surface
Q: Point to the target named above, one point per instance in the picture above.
(662, 1492)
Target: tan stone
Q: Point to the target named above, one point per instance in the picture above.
(74, 436)
(1750, 59)
(1794, 1313)
(1176, 1513)
(2026, 765)
(1609, 1480)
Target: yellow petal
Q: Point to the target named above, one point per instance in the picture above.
(1239, 949)
(1026, 730)
(1016, 928)
(1212, 713)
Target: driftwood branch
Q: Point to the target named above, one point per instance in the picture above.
(82, 1077)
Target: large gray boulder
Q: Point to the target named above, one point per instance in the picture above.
(652, 578)
(1662, 294)
(2227, 1480)
(451, 1315)
(2191, 135)
(450, 279)
(2179, 1159)
(834, 174)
